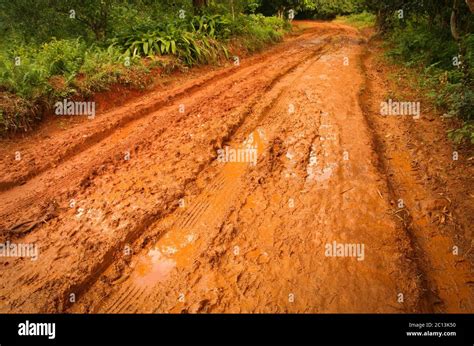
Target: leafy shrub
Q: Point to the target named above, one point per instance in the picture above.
(202, 39)
(30, 79)
(325, 9)
(191, 47)
(60, 68)
(418, 42)
(257, 31)
(431, 49)
(215, 26)
(50, 71)
(466, 132)
(194, 41)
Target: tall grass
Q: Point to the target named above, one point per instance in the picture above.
(359, 20)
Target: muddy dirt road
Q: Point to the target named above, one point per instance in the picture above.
(269, 186)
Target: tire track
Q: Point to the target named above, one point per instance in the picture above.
(91, 268)
(213, 203)
(80, 169)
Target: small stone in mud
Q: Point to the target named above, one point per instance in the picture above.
(263, 258)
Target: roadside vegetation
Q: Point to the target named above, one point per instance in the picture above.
(359, 20)
(435, 41)
(54, 49)
(73, 49)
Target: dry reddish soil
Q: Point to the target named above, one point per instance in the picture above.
(135, 210)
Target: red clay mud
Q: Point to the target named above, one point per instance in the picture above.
(138, 210)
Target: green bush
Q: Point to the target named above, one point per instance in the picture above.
(61, 68)
(466, 132)
(359, 20)
(447, 85)
(202, 39)
(30, 79)
(431, 50)
(50, 71)
(330, 9)
(257, 31)
(418, 42)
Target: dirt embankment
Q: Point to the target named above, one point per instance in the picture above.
(272, 186)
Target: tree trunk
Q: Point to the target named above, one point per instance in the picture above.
(454, 20)
(198, 5)
(382, 21)
(470, 3)
(281, 12)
